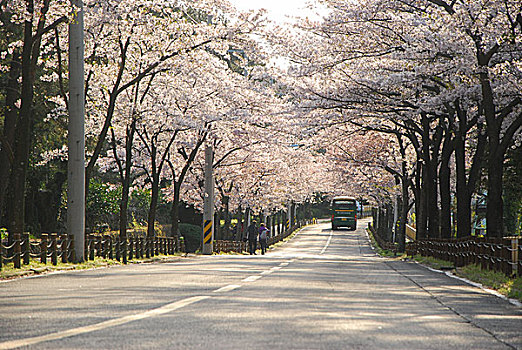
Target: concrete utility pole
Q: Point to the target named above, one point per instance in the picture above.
(76, 137)
(208, 203)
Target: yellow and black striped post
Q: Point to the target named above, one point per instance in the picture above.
(207, 232)
(287, 224)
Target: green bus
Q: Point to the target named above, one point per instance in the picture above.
(344, 212)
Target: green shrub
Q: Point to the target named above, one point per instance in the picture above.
(103, 206)
(139, 203)
(192, 235)
(3, 233)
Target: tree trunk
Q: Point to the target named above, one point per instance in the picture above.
(174, 212)
(126, 181)
(24, 129)
(403, 218)
(404, 208)
(495, 212)
(466, 180)
(10, 116)
(421, 221)
(151, 217)
(430, 158)
(463, 193)
(445, 187)
(239, 230)
(226, 214)
(495, 204)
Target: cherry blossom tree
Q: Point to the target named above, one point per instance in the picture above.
(412, 65)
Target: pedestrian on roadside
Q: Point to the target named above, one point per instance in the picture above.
(263, 237)
(252, 237)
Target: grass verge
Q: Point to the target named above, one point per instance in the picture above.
(508, 286)
(434, 263)
(36, 268)
(382, 252)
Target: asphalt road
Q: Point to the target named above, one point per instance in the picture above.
(321, 290)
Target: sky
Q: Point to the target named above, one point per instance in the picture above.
(278, 10)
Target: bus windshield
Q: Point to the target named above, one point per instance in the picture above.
(343, 204)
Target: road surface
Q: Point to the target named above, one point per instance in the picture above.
(322, 290)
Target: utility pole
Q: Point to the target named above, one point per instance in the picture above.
(76, 137)
(208, 203)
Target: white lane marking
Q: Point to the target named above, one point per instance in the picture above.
(327, 243)
(227, 288)
(272, 269)
(284, 264)
(251, 279)
(102, 325)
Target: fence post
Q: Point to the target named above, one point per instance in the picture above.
(86, 247)
(26, 247)
(63, 238)
(150, 246)
(91, 247)
(54, 248)
(118, 248)
(1, 253)
(131, 247)
(16, 249)
(105, 246)
(514, 256)
(99, 247)
(71, 249)
(43, 248)
(519, 266)
(111, 247)
(124, 248)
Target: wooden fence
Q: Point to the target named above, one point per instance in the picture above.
(221, 246)
(498, 254)
(54, 247)
(381, 241)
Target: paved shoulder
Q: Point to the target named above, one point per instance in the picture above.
(485, 311)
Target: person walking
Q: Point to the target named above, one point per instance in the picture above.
(252, 238)
(263, 238)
